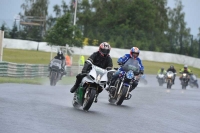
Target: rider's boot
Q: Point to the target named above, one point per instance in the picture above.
(74, 88)
(134, 85)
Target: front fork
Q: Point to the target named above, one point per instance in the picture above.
(121, 87)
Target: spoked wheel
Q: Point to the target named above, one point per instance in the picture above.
(89, 100)
(122, 95)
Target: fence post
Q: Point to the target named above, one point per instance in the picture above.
(1, 44)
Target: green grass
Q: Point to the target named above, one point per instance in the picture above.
(39, 57)
(38, 81)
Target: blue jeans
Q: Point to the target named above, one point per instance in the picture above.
(114, 77)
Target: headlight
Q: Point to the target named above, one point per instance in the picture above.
(161, 75)
(129, 74)
(170, 75)
(184, 74)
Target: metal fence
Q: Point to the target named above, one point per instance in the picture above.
(8, 69)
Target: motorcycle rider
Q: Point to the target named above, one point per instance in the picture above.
(134, 53)
(101, 58)
(61, 57)
(171, 68)
(162, 71)
(185, 69)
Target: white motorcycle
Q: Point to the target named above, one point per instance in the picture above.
(169, 79)
(55, 71)
(161, 79)
(93, 83)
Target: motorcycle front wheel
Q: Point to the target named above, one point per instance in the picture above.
(169, 84)
(89, 99)
(53, 78)
(122, 95)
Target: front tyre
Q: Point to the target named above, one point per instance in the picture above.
(53, 78)
(89, 100)
(122, 95)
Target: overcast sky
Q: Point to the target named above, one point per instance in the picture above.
(10, 8)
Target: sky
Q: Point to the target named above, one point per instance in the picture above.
(10, 8)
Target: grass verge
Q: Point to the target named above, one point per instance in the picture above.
(37, 81)
(40, 57)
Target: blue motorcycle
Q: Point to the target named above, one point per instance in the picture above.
(123, 85)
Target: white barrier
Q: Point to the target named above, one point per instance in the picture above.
(115, 52)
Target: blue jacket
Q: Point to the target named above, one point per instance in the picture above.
(124, 59)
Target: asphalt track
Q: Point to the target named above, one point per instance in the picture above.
(152, 109)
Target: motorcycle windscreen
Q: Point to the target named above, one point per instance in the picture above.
(133, 65)
(100, 72)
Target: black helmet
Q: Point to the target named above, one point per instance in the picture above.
(162, 69)
(104, 48)
(59, 54)
(171, 67)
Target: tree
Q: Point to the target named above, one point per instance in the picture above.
(6, 30)
(35, 13)
(14, 31)
(178, 34)
(63, 32)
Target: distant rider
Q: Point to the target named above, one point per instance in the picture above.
(162, 71)
(61, 57)
(171, 68)
(101, 58)
(128, 58)
(185, 69)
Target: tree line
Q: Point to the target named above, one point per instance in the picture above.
(147, 24)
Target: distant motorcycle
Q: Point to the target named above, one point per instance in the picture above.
(123, 84)
(193, 81)
(184, 80)
(92, 83)
(161, 79)
(55, 71)
(169, 79)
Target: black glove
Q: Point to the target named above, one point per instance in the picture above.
(141, 71)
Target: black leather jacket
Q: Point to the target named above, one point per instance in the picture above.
(104, 62)
(173, 70)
